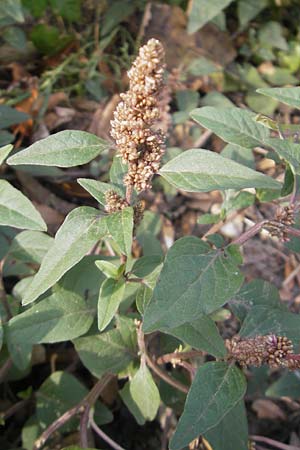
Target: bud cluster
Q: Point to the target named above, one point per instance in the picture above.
(114, 202)
(271, 350)
(285, 217)
(140, 146)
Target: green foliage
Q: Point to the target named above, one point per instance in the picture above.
(203, 11)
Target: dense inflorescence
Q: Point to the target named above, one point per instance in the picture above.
(114, 202)
(140, 146)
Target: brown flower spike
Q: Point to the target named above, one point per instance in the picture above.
(139, 145)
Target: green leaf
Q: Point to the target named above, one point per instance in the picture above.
(48, 39)
(63, 149)
(266, 320)
(288, 385)
(199, 170)
(30, 432)
(203, 11)
(144, 393)
(131, 405)
(10, 116)
(147, 232)
(241, 155)
(201, 334)
(109, 269)
(17, 211)
(195, 280)
(217, 388)
(60, 317)
(60, 392)
(30, 246)
(280, 76)
(232, 432)
(233, 125)
(289, 95)
(110, 296)
(81, 229)
(11, 9)
(120, 228)
(15, 37)
(117, 171)
(5, 151)
(287, 150)
(110, 351)
(256, 293)
(98, 189)
(6, 137)
(247, 10)
(67, 9)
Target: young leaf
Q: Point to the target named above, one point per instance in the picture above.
(120, 228)
(17, 211)
(60, 317)
(195, 280)
(201, 334)
(63, 149)
(110, 296)
(144, 393)
(81, 229)
(233, 125)
(98, 189)
(117, 171)
(199, 170)
(5, 151)
(248, 10)
(110, 351)
(203, 11)
(288, 95)
(217, 388)
(109, 269)
(232, 432)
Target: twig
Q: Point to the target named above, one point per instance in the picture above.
(164, 376)
(129, 191)
(14, 408)
(90, 399)
(104, 436)
(203, 138)
(5, 368)
(169, 357)
(250, 233)
(275, 444)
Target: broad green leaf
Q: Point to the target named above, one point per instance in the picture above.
(256, 293)
(232, 432)
(288, 385)
(288, 95)
(217, 99)
(266, 320)
(110, 351)
(6, 137)
(280, 76)
(15, 37)
(30, 246)
(67, 9)
(11, 9)
(271, 34)
(110, 296)
(60, 317)
(201, 334)
(5, 151)
(131, 405)
(144, 393)
(288, 151)
(199, 170)
(233, 125)
(63, 149)
(146, 234)
(247, 10)
(48, 39)
(30, 432)
(60, 392)
(241, 155)
(203, 11)
(17, 211)
(120, 228)
(10, 116)
(217, 388)
(98, 189)
(82, 228)
(194, 280)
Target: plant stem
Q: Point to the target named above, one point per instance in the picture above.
(276, 444)
(164, 376)
(89, 400)
(129, 191)
(104, 436)
(249, 233)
